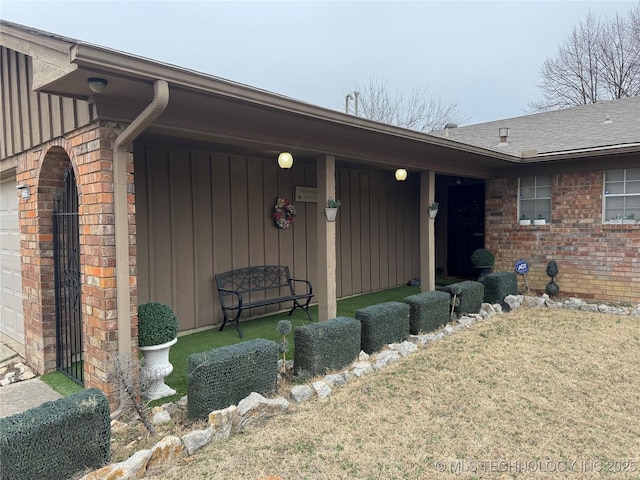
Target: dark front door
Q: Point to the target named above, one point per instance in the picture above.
(66, 254)
(465, 227)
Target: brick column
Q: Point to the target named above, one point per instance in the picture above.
(88, 151)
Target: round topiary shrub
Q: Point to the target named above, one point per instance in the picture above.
(552, 288)
(552, 269)
(482, 258)
(157, 324)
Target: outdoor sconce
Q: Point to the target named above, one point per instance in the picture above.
(401, 174)
(97, 85)
(285, 160)
(25, 191)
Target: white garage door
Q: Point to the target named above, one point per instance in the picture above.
(11, 319)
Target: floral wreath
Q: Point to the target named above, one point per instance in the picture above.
(284, 213)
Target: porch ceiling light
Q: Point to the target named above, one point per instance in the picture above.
(285, 160)
(97, 85)
(401, 174)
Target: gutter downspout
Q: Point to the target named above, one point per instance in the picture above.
(120, 205)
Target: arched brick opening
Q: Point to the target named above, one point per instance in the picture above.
(88, 152)
(38, 267)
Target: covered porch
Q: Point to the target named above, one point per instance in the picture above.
(176, 180)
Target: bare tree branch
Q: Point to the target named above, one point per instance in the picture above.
(415, 111)
(599, 60)
(620, 61)
(125, 375)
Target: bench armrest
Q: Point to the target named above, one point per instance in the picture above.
(309, 288)
(226, 293)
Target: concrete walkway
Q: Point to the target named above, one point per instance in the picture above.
(20, 396)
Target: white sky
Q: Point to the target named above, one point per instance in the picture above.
(487, 55)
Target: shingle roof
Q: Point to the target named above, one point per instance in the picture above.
(605, 124)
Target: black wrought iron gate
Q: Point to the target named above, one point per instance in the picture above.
(66, 256)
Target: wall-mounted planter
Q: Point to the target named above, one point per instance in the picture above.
(539, 221)
(433, 212)
(615, 221)
(331, 214)
(629, 221)
(526, 221)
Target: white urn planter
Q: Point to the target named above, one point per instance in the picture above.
(331, 214)
(155, 369)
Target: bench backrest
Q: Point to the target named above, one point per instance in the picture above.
(254, 279)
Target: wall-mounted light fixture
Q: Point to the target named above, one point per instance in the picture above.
(97, 85)
(401, 174)
(285, 160)
(24, 190)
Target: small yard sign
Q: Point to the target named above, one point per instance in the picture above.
(522, 268)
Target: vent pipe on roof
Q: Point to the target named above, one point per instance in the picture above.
(347, 97)
(448, 127)
(503, 132)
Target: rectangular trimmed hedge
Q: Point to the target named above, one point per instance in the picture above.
(223, 376)
(383, 324)
(470, 296)
(428, 311)
(57, 439)
(325, 346)
(498, 285)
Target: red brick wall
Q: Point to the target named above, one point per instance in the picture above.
(595, 261)
(89, 152)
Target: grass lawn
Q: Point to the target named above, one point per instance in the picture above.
(535, 393)
(61, 383)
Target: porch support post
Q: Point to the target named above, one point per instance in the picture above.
(326, 288)
(427, 232)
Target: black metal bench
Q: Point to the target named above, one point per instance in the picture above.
(236, 287)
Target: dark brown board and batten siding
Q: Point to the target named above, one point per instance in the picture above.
(28, 118)
(199, 213)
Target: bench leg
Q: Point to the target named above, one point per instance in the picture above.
(303, 307)
(236, 323)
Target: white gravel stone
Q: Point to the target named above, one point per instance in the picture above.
(361, 368)
(322, 389)
(300, 393)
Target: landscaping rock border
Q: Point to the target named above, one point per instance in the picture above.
(255, 409)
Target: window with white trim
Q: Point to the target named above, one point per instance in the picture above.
(535, 197)
(621, 194)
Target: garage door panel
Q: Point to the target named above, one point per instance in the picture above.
(11, 317)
